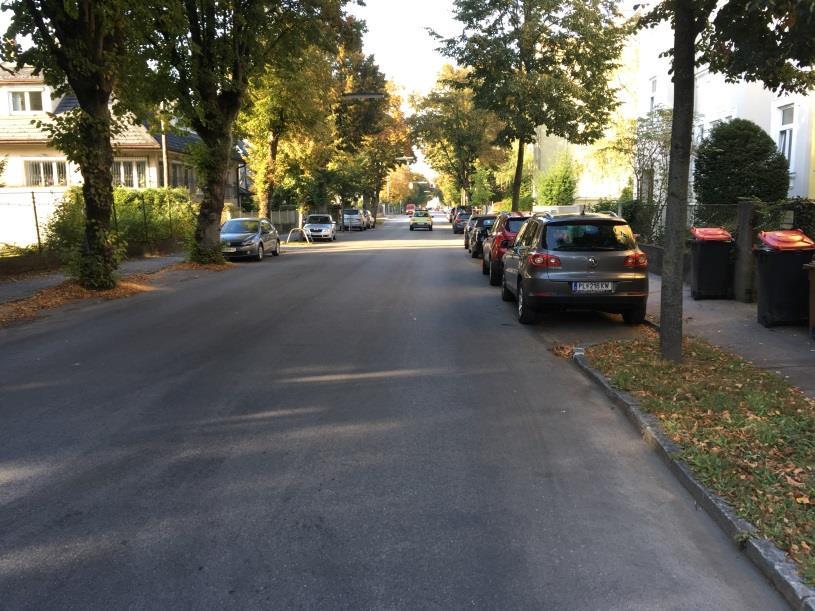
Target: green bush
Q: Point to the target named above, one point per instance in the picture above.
(770, 217)
(639, 215)
(557, 184)
(737, 160)
(150, 218)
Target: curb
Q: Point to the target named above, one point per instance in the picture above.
(769, 559)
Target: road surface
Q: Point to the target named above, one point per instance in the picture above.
(354, 425)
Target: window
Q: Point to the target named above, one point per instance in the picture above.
(785, 133)
(652, 103)
(45, 173)
(26, 101)
(589, 237)
(129, 173)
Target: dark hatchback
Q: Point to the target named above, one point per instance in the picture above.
(478, 233)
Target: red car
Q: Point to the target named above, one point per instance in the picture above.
(496, 243)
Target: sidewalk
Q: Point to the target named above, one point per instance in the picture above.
(788, 351)
(11, 290)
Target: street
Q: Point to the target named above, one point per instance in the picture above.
(356, 424)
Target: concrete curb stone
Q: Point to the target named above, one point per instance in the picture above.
(770, 560)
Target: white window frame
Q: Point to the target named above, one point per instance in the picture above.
(55, 173)
(27, 93)
(786, 132)
(133, 161)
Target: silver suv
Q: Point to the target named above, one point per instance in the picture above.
(576, 261)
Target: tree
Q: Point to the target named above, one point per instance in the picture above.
(453, 133)
(738, 159)
(92, 49)
(540, 63)
(208, 52)
(557, 185)
(295, 99)
(769, 41)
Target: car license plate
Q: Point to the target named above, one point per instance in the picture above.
(592, 287)
(229, 250)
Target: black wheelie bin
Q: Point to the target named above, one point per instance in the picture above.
(711, 275)
(783, 283)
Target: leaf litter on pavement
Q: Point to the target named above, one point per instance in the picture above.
(746, 433)
(70, 291)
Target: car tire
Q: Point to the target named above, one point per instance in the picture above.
(466, 244)
(276, 251)
(411, 227)
(506, 294)
(473, 253)
(635, 316)
(526, 316)
(334, 238)
(484, 267)
(259, 256)
(495, 275)
(431, 229)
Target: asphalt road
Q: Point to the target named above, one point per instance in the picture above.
(360, 424)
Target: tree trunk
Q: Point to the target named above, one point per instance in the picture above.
(215, 165)
(676, 213)
(274, 141)
(98, 257)
(519, 176)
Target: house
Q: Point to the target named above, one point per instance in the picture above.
(36, 174)
(645, 84)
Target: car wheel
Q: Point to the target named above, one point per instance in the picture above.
(334, 237)
(276, 251)
(506, 294)
(259, 256)
(431, 229)
(411, 227)
(474, 253)
(466, 244)
(495, 275)
(484, 267)
(635, 316)
(526, 316)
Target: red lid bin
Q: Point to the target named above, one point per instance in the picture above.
(788, 239)
(711, 234)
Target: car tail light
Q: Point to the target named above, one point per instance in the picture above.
(637, 260)
(544, 260)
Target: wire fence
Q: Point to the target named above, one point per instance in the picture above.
(24, 215)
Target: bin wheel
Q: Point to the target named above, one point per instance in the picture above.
(635, 316)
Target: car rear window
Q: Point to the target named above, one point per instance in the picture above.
(421, 213)
(464, 216)
(514, 224)
(240, 227)
(589, 237)
(351, 212)
(485, 222)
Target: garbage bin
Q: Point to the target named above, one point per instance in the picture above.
(783, 283)
(711, 272)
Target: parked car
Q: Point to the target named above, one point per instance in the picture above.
(320, 227)
(369, 219)
(467, 228)
(249, 238)
(576, 261)
(421, 219)
(478, 234)
(459, 221)
(501, 237)
(451, 215)
(352, 218)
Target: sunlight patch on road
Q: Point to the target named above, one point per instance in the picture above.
(355, 377)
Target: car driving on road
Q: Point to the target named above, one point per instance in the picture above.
(421, 219)
(249, 238)
(576, 261)
(320, 227)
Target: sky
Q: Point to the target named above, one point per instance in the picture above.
(397, 37)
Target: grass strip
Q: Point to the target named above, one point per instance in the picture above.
(746, 433)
